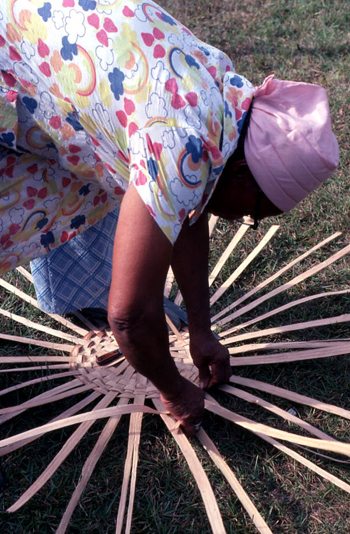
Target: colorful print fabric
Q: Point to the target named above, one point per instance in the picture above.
(95, 96)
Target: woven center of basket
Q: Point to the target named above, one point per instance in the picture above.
(119, 376)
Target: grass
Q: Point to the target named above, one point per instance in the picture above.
(294, 39)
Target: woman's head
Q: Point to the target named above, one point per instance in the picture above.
(290, 147)
(285, 151)
(237, 193)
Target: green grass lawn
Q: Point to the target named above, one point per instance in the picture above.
(293, 39)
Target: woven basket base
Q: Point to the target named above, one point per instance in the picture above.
(119, 376)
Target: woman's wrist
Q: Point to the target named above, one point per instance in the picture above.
(172, 390)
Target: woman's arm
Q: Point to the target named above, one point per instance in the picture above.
(190, 266)
(142, 255)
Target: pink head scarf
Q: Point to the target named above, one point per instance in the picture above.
(290, 147)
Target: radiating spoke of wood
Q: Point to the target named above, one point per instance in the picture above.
(252, 347)
(40, 327)
(226, 254)
(326, 456)
(244, 265)
(326, 445)
(13, 289)
(89, 466)
(197, 471)
(25, 273)
(37, 342)
(33, 302)
(40, 398)
(169, 282)
(33, 359)
(258, 401)
(98, 414)
(282, 309)
(67, 413)
(224, 257)
(133, 472)
(40, 368)
(288, 285)
(37, 381)
(288, 328)
(311, 465)
(61, 456)
(130, 467)
(178, 335)
(274, 277)
(212, 223)
(232, 480)
(290, 395)
(338, 349)
(48, 397)
(85, 321)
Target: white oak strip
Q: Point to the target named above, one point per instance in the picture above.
(40, 368)
(325, 474)
(226, 254)
(136, 429)
(224, 257)
(99, 414)
(34, 303)
(253, 426)
(244, 264)
(336, 460)
(179, 337)
(258, 401)
(37, 342)
(40, 398)
(169, 282)
(68, 324)
(85, 321)
(296, 280)
(89, 467)
(178, 299)
(67, 413)
(37, 381)
(231, 478)
(40, 327)
(290, 395)
(252, 347)
(130, 467)
(282, 309)
(212, 223)
(311, 465)
(13, 289)
(197, 471)
(288, 328)
(292, 356)
(25, 273)
(274, 276)
(46, 400)
(61, 456)
(33, 359)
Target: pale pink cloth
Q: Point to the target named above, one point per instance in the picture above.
(290, 147)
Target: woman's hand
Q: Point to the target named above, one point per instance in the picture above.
(187, 406)
(211, 358)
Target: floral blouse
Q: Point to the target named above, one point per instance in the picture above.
(95, 95)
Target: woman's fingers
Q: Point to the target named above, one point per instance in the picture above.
(220, 372)
(187, 407)
(213, 362)
(205, 376)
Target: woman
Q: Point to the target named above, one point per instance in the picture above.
(119, 101)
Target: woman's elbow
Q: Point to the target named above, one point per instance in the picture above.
(125, 324)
